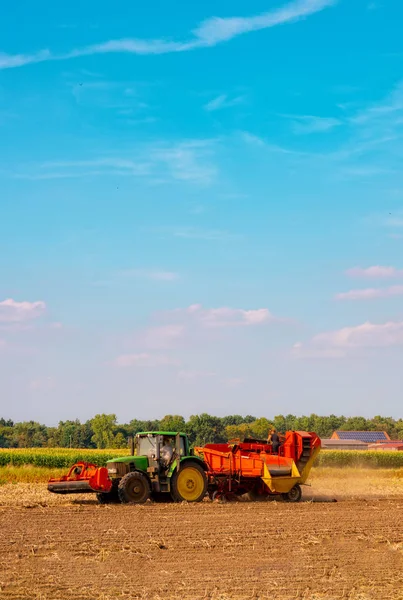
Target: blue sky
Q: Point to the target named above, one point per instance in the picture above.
(201, 208)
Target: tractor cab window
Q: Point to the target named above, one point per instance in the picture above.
(146, 446)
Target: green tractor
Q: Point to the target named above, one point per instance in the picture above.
(160, 466)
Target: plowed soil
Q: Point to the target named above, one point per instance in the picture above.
(67, 549)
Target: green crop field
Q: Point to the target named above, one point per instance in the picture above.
(360, 458)
(57, 458)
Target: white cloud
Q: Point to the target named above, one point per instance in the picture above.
(222, 101)
(303, 124)
(371, 293)
(12, 311)
(338, 343)
(164, 336)
(209, 33)
(144, 360)
(389, 106)
(186, 160)
(229, 317)
(375, 272)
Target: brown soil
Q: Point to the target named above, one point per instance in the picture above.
(65, 549)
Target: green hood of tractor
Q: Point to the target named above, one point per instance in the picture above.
(140, 462)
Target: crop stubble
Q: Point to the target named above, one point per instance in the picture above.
(350, 549)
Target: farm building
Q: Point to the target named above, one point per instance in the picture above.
(368, 437)
(397, 446)
(334, 444)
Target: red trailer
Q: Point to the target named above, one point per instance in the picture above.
(251, 466)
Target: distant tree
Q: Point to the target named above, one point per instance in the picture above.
(242, 431)
(260, 428)
(119, 441)
(205, 428)
(232, 420)
(135, 426)
(104, 427)
(172, 423)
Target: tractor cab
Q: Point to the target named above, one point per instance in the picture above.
(160, 447)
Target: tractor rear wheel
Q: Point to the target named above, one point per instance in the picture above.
(189, 484)
(134, 488)
(294, 495)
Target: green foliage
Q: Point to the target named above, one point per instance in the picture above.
(172, 423)
(104, 427)
(360, 458)
(56, 457)
(103, 431)
(205, 428)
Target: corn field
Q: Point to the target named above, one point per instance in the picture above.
(56, 458)
(360, 459)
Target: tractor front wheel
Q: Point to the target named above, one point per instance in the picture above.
(189, 484)
(294, 495)
(134, 488)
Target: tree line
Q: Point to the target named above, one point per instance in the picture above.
(103, 431)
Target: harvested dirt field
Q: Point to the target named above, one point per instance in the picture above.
(57, 548)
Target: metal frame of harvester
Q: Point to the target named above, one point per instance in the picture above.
(161, 466)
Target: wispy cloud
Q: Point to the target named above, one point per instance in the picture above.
(389, 106)
(187, 160)
(338, 343)
(163, 336)
(258, 141)
(12, 311)
(209, 33)
(144, 360)
(304, 124)
(223, 101)
(371, 293)
(375, 272)
(228, 317)
(103, 166)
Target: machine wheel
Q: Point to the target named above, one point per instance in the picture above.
(134, 488)
(190, 483)
(111, 497)
(294, 495)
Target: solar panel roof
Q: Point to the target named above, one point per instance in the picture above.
(363, 436)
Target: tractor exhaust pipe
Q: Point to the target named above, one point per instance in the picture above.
(131, 445)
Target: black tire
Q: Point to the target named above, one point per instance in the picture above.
(134, 488)
(111, 497)
(189, 484)
(294, 495)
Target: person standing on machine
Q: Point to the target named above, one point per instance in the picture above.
(274, 440)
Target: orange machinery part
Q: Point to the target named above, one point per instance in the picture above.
(82, 477)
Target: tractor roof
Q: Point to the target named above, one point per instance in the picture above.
(172, 433)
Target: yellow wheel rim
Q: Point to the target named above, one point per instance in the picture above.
(190, 484)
